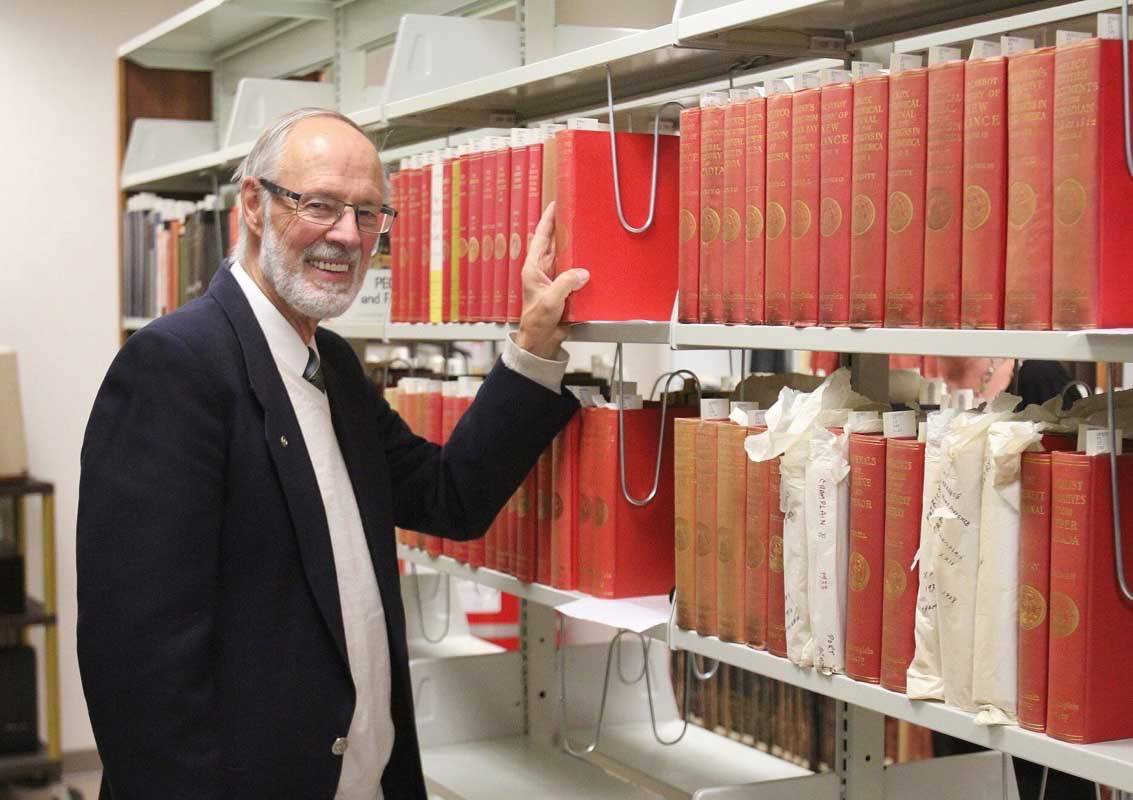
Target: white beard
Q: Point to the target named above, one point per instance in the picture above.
(285, 274)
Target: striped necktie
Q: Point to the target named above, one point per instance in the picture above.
(313, 372)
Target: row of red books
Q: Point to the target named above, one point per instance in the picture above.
(1072, 621)
(986, 193)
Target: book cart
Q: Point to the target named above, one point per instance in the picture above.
(538, 721)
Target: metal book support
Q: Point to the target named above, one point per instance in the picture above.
(614, 158)
(1124, 86)
(1115, 494)
(421, 610)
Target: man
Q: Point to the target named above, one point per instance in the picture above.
(240, 631)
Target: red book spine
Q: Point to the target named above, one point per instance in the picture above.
(565, 505)
(755, 552)
(688, 263)
(543, 518)
(867, 551)
(904, 246)
(517, 232)
(836, 157)
(755, 188)
(500, 237)
(985, 193)
(534, 201)
(711, 214)
(446, 234)
(421, 307)
(731, 537)
(1088, 697)
(591, 446)
(475, 234)
(734, 244)
(777, 263)
(944, 193)
(1034, 589)
(707, 436)
(684, 524)
(806, 173)
(492, 542)
(1093, 195)
(870, 188)
(487, 234)
(776, 611)
(396, 237)
(904, 487)
(412, 262)
(1030, 140)
(526, 528)
(564, 155)
(465, 234)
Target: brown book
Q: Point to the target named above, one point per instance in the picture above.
(731, 519)
(734, 246)
(776, 612)
(805, 197)
(711, 213)
(755, 552)
(684, 502)
(707, 436)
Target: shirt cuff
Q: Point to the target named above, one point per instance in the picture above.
(545, 372)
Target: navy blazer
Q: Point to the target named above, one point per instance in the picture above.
(210, 635)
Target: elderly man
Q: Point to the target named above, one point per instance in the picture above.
(240, 632)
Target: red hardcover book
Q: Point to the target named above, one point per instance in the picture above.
(526, 528)
(731, 533)
(543, 518)
(633, 276)
(870, 189)
(985, 193)
(475, 232)
(712, 213)
(517, 229)
(1034, 589)
(755, 552)
(1091, 625)
(904, 486)
(707, 485)
(509, 536)
(446, 236)
(462, 242)
(904, 245)
(1093, 193)
(633, 545)
(806, 174)
(396, 234)
(836, 157)
(594, 447)
(534, 199)
(734, 244)
(684, 522)
(565, 505)
(867, 552)
(489, 161)
(777, 258)
(492, 541)
(688, 257)
(500, 236)
(755, 188)
(421, 307)
(412, 262)
(776, 612)
(1030, 188)
(944, 193)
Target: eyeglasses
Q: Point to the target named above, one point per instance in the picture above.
(323, 210)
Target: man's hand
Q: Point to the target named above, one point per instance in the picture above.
(543, 298)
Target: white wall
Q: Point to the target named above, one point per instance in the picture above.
(58, 222)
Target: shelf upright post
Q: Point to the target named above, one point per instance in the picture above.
(51, 632)
(537, 29)
(860, 753)
(540, 670)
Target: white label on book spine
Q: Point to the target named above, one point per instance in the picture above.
(963, 399)
(775, 86)
(744, 405)
(714, 408)
(806, 80)
(827, 77)
(1010, 45)
(938, 54)
(982, 48)
(1109, 26)
(1069, 37)
(899, 62)
(863, 69)
(1098, 441)
(586, 124)
(899, 424)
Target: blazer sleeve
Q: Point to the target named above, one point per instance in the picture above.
(457, 490)
(151, 500)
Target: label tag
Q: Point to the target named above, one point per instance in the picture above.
(586, 124)
(714, 408)
(899, 424)
(922, 431)
(982, 48)
(806, 80)
(748, 419)
(938, 54)
(775, 86)
(931, 392)
(829, 76)
(1069, 37)
(709, 99)
(631, 402)
(1010, 45)
(744, 405)
(963, 399)
(1098, 441)
(863, 69)
(899, 62)
(374, 298)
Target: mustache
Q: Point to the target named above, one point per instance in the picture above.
(332, 252)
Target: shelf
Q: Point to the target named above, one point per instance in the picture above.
(23, 766)
(1109, 763)
(632, 332)
(33, 614)
(135, 323)
(190, 174)
(19, 487)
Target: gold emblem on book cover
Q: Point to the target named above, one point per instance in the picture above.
(516, 246)
(1069, 201)
(601, 513)
(776, 220)
(862, 215)
(977, 207)
(859, 571)
(703, 540)
(775, 563)
(756, 554)
(709, 225)
(938, 208)
(1064, 616)
(900, 211)
(731, 224)
(473, 249)
(1021, 204)
(583, 507)
(724, 548)
(895, 580)
(681, 534)
(557, 506)
(831, 216)
(522, 502)
(1032, 607)
(800, 219)
(501, 246)
(688, 225)
(754, 225)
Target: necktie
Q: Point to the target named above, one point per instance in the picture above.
(313, 372)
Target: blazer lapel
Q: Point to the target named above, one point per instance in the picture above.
(289, 454)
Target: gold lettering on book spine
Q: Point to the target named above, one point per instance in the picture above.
(703, 540)
(862, 215)
(709, 225)
(557, 506)
(754, 225)
(938, 208)
(831, 216)
(756, 554)
(681, 534)
(473, 249)
(731, 224)
(895, 580)
(516, 246)
(776, 220)
(775, 564)
(688, 225)
(1069, 201)
(800, 219)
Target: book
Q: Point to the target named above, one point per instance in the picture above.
(755, 551)
(501, 229)
(944, 193)
(688, 255)
(1091, 624)
(518, 209)
(465, 240)
(1030, 143)
(868, 213)
(456, 239)
(425, 243)
(565, 505)
(734, 199)
(711, 297)
(1091, 282)
(755, 187)
(396, 237)
(475, 232)
(707, 519)
(633, 276)
(543, 518)
(836, 157)
(1034, 589)
(731, 534)
(867, 549)
(526, 523)
(684, 521)
(905, 215)
(488, 228)
(776, 613)
(412, 263)
(904, 486)
(777, 258)
(806, 116)
(985, 193)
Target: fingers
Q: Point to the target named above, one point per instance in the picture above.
(570, 281)
(543, 240)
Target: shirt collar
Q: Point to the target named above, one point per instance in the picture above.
(286, 347)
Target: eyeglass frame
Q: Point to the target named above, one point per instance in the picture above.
(279, 191)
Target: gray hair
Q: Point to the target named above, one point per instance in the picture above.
(262, 160)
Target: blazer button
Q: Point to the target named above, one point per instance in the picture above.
(283, 440)
(339, 746)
